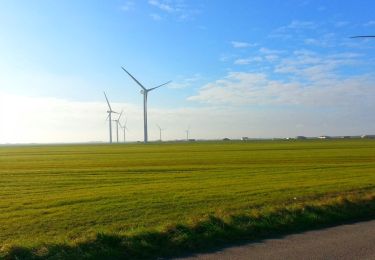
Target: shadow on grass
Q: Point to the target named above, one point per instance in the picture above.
(207, 234)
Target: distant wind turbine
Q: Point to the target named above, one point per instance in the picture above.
(117, 121)
(187, 133)
(109, 118)
(124, 128)
(160, 130)
(144, 91)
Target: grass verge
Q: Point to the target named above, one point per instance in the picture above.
(209, 232)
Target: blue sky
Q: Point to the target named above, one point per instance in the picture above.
(239, 68)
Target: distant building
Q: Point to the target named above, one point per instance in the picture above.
(324, 137)
(245, 138)
(226, 139)
(300, 137)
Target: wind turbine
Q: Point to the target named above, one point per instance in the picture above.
(187, 133)
(160, 130)
(110, 111)
(124, 128)
(117, 123)
(144, 91)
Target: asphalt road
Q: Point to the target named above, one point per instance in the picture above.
(354, 241)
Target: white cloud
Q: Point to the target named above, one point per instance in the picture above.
(314, 67)
(237, 44)
(249, 60)
(241, 88)
(268, 51)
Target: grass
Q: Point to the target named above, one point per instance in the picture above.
(144, 201)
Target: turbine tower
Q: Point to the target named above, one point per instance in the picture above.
(117, 123)
(144, 92)
(160, 130)
(187, 133)
(110, 111)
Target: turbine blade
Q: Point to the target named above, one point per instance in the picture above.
(120, 115)
(158, 126)
(160, 85)
(363, 36)
(107, 101)
(134, 79)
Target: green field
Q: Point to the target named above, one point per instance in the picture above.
(68, 194)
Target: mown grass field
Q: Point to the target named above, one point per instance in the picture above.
(66, 195)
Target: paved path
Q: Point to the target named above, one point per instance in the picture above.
(354, 241)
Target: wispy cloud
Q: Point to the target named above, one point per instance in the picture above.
(163, 5)
(224, 57)
(270, 51)
(237, 44)
(156, 17)
(341, 24)
(324, 40)
(295, 26)
(177, 8)
(127, 6)
(186, 82)
(249, 60)
(369, 23)
(301, 25)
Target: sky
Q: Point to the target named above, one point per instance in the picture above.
(260, 69)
